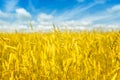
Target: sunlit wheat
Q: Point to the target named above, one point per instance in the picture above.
(60, 55)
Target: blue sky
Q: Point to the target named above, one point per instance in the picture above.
(74, 14)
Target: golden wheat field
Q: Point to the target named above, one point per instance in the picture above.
(57, 55)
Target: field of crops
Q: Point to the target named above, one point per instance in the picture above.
(60, 55)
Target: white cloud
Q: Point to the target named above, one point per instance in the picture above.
(7, 26)
(106, 27)
(20, 23)
(96, 17)
(114, 9)
(14, 21)
(44, 17)
(23, 14)
(77, 23)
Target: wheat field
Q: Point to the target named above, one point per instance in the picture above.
(60, 55)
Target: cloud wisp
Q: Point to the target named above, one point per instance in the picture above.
(76, 12)
(10, 5)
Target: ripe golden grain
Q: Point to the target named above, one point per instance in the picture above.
(60, 55)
